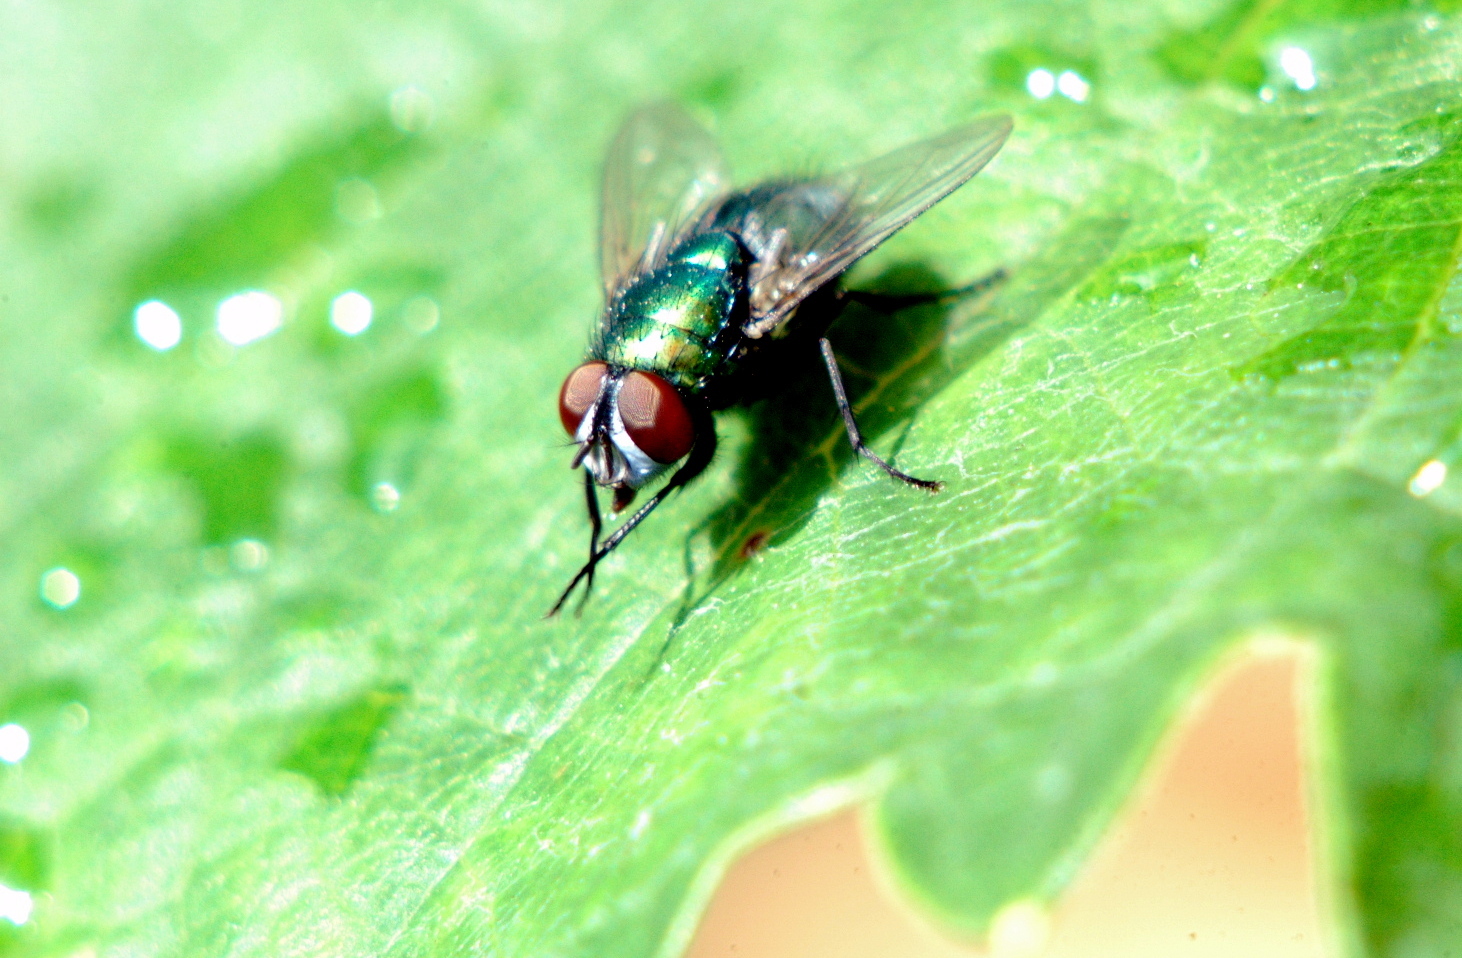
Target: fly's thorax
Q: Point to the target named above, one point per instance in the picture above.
(677, 319)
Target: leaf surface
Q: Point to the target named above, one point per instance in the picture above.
(305, 702)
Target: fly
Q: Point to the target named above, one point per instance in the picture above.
(701, 284)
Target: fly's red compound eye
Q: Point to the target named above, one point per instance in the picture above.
(578, 394)
(655, 417)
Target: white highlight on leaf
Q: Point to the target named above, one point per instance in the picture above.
(356, 201)
(1298, 66)
(15, 906)
(350, 312)
(1053, 783)
(412, 109)
(1043, 674)
(1073, 86)
(14, 743)
(75, 716)
(1041, 83)
(422, 315)
(157, 325)
(248, 316)
(1019, 930)
(1428, 478)
(249, 555)
(60, 588)
(385, 497)
(642, 822)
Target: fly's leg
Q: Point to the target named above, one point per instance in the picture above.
(700, 457)
(894, 302)
(596, 525)
(855, 436)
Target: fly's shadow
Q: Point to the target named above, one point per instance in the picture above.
(893, 357)
(893, 360)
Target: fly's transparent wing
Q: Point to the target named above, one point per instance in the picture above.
(662, 172)
(807, 233)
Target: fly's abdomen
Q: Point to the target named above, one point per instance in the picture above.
(674, 320)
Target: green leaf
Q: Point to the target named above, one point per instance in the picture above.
(305, 701)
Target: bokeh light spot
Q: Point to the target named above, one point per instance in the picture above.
(248, 316)
(412, 109)
(385, 497)
(350, 313)
(422, 315)
(15, 906)
(14, 743)
(1428, 478)
(1073, 86)
(157, 325)
(1298, 66)
(60, 588)
(1041, 83)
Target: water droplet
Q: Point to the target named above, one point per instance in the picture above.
(1041, 83)
(385, 497)
(248, 555)
(250, 315)
(14, 743)
(1266, 94)
(75, 716)
(1073, 86)
(1020, 929)
(412, 109)
(1428, 478)
(1053, 783)
(15, 905)
(421, 315)
(350, 312)
(320, 436)
(157, 325)
(60, 588)
(356, 201)
(642, 822)
(1298, 66)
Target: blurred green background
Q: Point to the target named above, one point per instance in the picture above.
(287, 291)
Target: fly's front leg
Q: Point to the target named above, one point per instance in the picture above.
(596, 525)
(855, 435)
(701, 455)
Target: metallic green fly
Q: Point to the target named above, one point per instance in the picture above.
(702, 289)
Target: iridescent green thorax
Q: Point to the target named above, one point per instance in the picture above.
(682, 320)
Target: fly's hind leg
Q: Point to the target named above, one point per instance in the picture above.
(855, 435)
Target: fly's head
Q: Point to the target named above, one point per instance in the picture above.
(629, 425)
